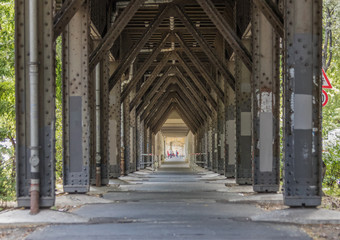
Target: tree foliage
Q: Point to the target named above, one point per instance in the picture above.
(7, 100)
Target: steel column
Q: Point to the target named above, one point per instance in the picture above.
(302, 103)
(266, 104)
(230, 131)
(243, 121)
(114, 129)
(76, 110)
(126, 136)
(45, 106)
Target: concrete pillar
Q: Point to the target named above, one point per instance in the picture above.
(243, 121)
(266, 104)
(302, 101)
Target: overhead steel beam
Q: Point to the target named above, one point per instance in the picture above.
(152, 92)
(114, 32)
(134, 50)
(64, 16)
(184, 115)
(183, 90)
(197, 63)
(205, 46)
(271, 11)
(194, 92)
(151, 79)
(227, 32)
(197, 81)
(153, 114)
(191, 98)
(143, 68)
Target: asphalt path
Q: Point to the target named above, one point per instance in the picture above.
(172, 203)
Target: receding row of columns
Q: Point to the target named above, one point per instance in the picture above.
(239, 139)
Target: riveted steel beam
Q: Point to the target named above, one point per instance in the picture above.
(271, 11)
(164, 97)
(153, 91)
(205, 46)
(134, 50)
(227, 32)
(192, 89)
(243, 122)
(114, 32)
(197, 63)
(302, 103)
(196, 80)
(64, 15)
(151, 79)
(139, 74)
(167, 97)
(266, 99)
(45, 107)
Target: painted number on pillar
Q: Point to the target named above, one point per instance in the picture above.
(325, 84)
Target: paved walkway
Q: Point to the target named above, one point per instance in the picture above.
(173, 203)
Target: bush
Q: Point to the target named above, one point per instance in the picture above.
(331, 158)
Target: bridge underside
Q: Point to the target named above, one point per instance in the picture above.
(137, 72)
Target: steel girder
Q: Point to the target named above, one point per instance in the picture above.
(151, 79)
(199, 66)
(139, 74)
(266, 107)
(270, 10)
(205, 46)
(153, 115)
(76, 103)
(196, 80)
(45, 107)
(164, 82)
(64, 16)
(302, 103)
(135, 50)
(227, 32)
(114, 32)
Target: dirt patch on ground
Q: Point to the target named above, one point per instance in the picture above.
(323, 231)
(16, 233)
(331, 203)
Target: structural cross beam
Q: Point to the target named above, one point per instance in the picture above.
(199, 66)
(151, 79)
(221, 66)
(272, 13)
(143, 68)
(226, 31)
(64, 16)
(196, 80)
(134, 51)
(114, 32)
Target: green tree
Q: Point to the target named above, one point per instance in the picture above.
(7, 100)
